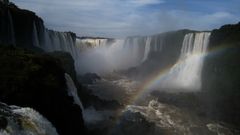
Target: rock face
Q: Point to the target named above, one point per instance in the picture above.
(30, 32)
(89, 78)
(221, 75)
(66, 62)
(37, 81)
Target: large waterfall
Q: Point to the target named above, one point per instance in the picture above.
(186, 73)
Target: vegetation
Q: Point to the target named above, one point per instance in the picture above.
(35, 80)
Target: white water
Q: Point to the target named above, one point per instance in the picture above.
(35, 36)
(147, 48)
(174, 120)
(72, 91)
(87, 43)
(29, 122)
(59, 41)
(186, 73)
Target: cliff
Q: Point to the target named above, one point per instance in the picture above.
(23, 28)
(221, 74)
(37, 81)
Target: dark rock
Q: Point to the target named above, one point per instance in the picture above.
(221, 75)
(4, 1)
(3, 122)
(226, 36)
(134, 123)
(66, 62)
(90, 99)
(23, 28)
(89, 78)
(37, 81)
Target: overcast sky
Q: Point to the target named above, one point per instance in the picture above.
(121, 18)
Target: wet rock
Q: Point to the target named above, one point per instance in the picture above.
(3, 122)
(89, 78)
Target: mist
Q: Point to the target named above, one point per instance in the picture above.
(109, 58)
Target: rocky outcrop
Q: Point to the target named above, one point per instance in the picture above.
(14, 29)
(37, 81)
(89, 78)
(66, 62)
(226, 36)
(221, 75)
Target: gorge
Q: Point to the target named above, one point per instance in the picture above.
(177, 82)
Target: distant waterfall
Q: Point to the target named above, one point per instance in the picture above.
(147, 48)
(72, 91)
(88, 43)
(186, 73)
(35, 36)
(11, 34)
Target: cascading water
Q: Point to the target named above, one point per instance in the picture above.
(88, 43)
(186, 73)
(147, 48)
(72, 91)
(90, 115)
(57, 41)
(12, 39)
(35, 36)
(25, 121)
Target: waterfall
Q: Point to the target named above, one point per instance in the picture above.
(25, 121)
(35, 36)
(40, 124)
(11, 37)
(72, 91)
(155, 44)
(88, 43)
(186, 73)
(57, 41)
(147, 48)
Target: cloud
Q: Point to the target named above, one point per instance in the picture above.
(146, 2)
(120, 18)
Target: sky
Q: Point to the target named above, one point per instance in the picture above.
(122, 18)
